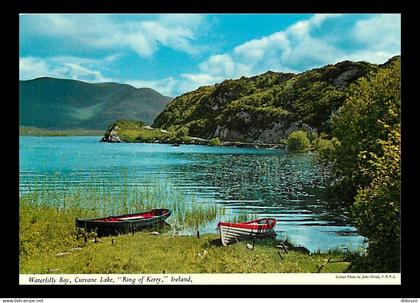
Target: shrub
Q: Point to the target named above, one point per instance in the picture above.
(182, 132)
(357, 124)
(298, 142)
(326, 148)
(313, 136)
(367, 164)
(377, 207)
(214, 142)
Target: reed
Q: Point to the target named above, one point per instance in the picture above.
(103, 198)
(48, 237)
(243, 216)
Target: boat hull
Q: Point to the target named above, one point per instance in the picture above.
(234, 232)
(123, 224)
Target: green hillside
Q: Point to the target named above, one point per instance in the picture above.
(70, 104)
(264, 108)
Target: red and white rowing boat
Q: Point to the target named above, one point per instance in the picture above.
(232, 232)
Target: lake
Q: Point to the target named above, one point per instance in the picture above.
(259, 182)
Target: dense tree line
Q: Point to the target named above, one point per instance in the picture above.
(366, 164)
(362, 150)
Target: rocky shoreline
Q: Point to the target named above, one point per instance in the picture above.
(200, 141)
(112, 136)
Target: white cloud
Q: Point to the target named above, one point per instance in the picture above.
(379, 33)
(197, 80)
(32, 68)
(305, 45)
(65, 67)
(77, 71)
(144, 37)
(92, 70)
(372, 56)
(301, 46)
(176, 31)
(165, 86)
(218, 65)
(284, 51)
(140, 44)
(173, 87)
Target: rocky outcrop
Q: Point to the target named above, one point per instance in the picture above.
(273, 134)
(343, 80)
(265, 108)
(117, 133)
(111, 135)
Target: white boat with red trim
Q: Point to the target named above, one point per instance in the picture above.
(233, 232)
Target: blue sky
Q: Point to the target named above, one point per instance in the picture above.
(176, 53)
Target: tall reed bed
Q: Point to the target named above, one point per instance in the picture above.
(101, 197)
(243, 216)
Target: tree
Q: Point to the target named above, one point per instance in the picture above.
(182, 132)
(367, 164)
(358, 126)
(298, 142)
(377, 207)
(214, 141)
(326, 148)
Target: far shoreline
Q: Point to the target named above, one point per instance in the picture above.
(32, 131)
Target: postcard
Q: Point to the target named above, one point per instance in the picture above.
(209, 149)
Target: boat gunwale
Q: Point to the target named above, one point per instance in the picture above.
(166, 212)
(251, 224)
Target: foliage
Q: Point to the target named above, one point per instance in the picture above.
(367, 163)
(260, 101)
(132, 124)
(298, 142)
(215, 142)
(135, 131)
(182, 133)
(50, 244)
(313, 136)
(358, 125)
(377, 207)
(46, 224)
(326, 148)
(43, 203)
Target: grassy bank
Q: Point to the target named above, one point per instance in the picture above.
(49, 243)
(136, 132)
(35, 131)
(146, 253)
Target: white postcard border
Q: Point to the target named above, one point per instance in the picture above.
(214, 279)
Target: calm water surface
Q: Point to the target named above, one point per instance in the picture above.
(256, 181)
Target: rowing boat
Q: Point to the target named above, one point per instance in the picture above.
(259, 228)
(124, 223)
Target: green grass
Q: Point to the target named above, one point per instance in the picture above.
(100, 199)
(143, 135)
(146, 253)
(36, 131)
(49, 243)
(46, 234)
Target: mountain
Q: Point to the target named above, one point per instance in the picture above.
(265, 108)
(70, 104)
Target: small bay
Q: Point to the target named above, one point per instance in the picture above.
(258, 182)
